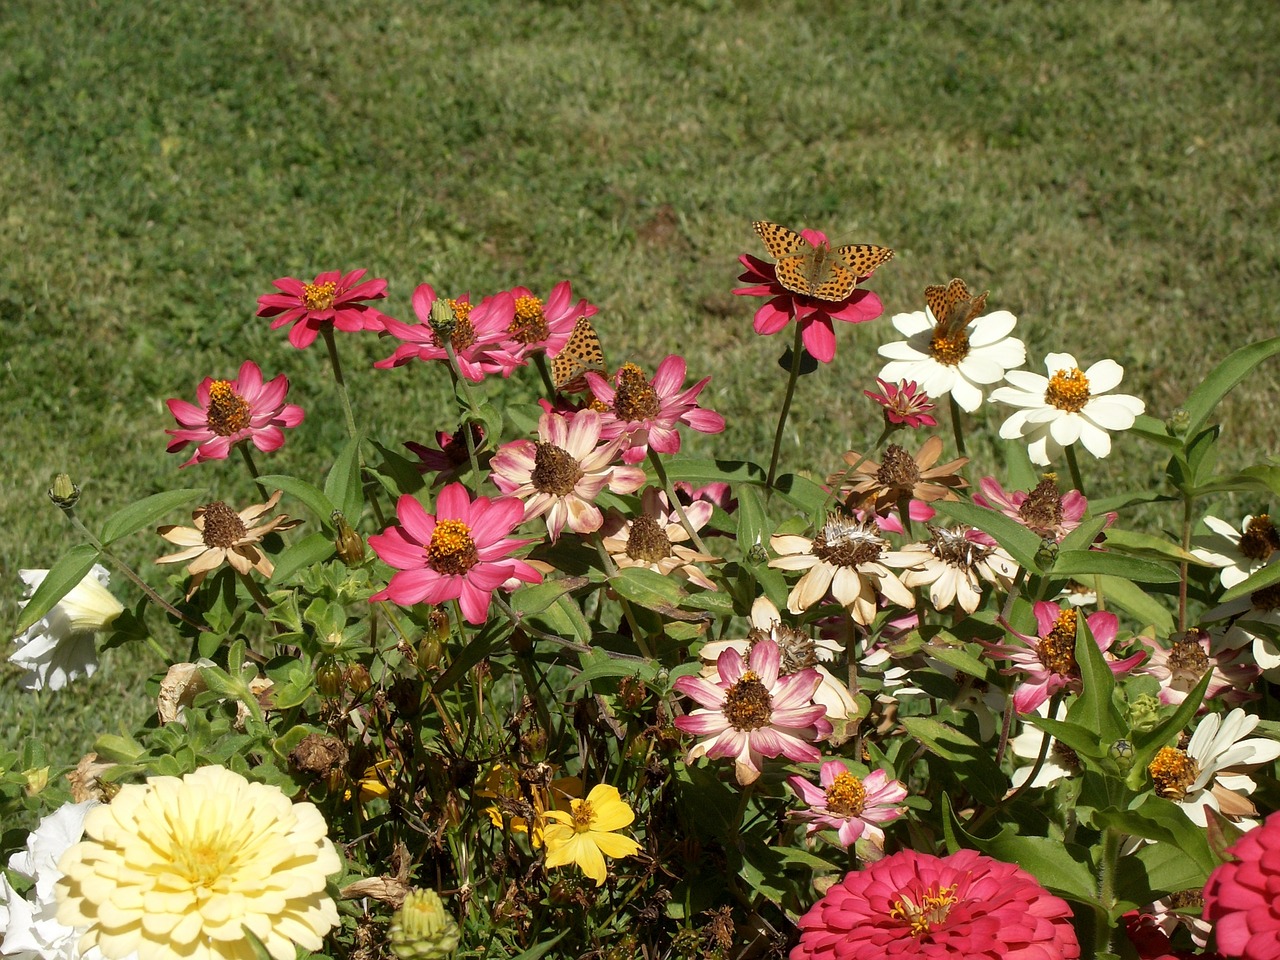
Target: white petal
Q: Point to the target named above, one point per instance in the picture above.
(1103, 376)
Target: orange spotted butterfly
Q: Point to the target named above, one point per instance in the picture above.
(581, 354)
(823, 272)
(953, 306)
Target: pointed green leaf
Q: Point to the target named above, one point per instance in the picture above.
(1020, 542)
(61, 579)
(1142, 605)
(309, 494)
(648, 588)
(1219, 381)
(342, 485)
(753, 520)
(1260, 579)
(1085, 563)
(144, 513)
(1147, 546)
(310, 550)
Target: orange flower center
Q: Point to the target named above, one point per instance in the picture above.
(583, 815)
(634, 398)
(949, 350)
(451, 551)
(229, 412)
(1058, 649)
(464, 333)
(1068, 390)
(530, 323)
(933, 908)
(846, 796)
(1173, 772)
(1260, 538)
(319, 296)
(222, 526)
(747, 704)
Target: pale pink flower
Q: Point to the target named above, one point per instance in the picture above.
(965, 906)
(1240, 897)
(1180, 666)
(750, 712)
(853, 806)
(538, 325)
(561, 474)
(231, 411)
(479, 335)
(656, 539)
(904, 404)
(1044, 509)
(462, 552)
(333, 297)
(648, 412)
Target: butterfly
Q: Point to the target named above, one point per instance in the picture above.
(953, 306)
(581, 354)
(823, 272)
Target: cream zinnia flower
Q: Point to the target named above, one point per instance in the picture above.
(953, 562)
(182, 867)
(1240, 553)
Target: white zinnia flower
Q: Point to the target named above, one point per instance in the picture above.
(1066, 406)
(962, 363)
(58, 648)
(1059, 760)
(29, 928)
(1239, 553)
(1255, 620)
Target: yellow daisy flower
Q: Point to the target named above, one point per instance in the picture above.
(585, 836)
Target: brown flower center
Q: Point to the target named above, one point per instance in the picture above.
(747, 704)
(954, 548)
(1260, 538)
(846, 796)
(1066, 757)
(845, 542)
(647, 540)
(451, 550)
(1068, 390)
(464, 333)
(222, 526)
(1268, 598)
(634, 398)
(1173, 772)
(1187, 658)
(555, 471)
(898, 470)
(934, 907)
(530, 323)
(1057, 650)
(319, 296)
(1042, 510)
(1187, 900)
(455, 448)
(229, 412)
(797, 650)
(949, 350)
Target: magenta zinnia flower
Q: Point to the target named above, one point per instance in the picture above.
(562, 473)
(333, 297)
(1240, 897)
(1049, 659)
(1044, 509)
(231, 411)
(479, 335)
(966, 906)
(813, 315)
(647, 412)
(852, 806)
(461, 553)
(544, 326)
(904, 404)
(750, 712)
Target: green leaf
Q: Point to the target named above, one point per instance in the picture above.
(753, 521)
(534, 599)
(1063, 868)
(1020, 542)
(970, 762)
(542, 949)
(804, 493)
(1137, 602)
(1096, 707)
(1219, 381)
(342, 485)
(310, 550)
(699, 471)
(61, 579)
(1144, 545)
(1086, 563)
(1149, 428)
(1147, 745)
(1258, 580)
(965, 662)
(648, 588)
(309, 494)
(144, 513)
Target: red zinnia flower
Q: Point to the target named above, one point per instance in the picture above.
(479, 335)
(1240, 897)
(546, 326)
(231, 411)
(904, 404)
(332, 297)
(966, 906)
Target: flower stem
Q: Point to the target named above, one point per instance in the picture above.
(455, 372)
(606, 562)
(660, 470)
(253, 467)
(326, 331)
(796, 348)
(957, 429)
(1184, 568)
(540, 361)
(1074, 466)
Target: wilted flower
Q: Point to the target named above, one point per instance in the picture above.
(1045, 509)
(332, 297)
(585, 834)
(655, 539)
(952, 563)
(1180, 666)
(59, 647)
(853, 806)
(904, 404)
(1240, 897)
(899, 476)
(451, 456)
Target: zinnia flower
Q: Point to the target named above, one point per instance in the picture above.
(231, 411)
(647, 412)
(903, 403)
(899, 476)
(1240, 897)
(1180, 666)
(813, 315)
(961, 354)
(547, 326)
(853, 806)
(751, 712)
(965, 906)
(585, 834)
(1240, 553)
(451, 456)
(58, 648)
(953, 562)
(332, 297)
(182, 867)
(562, 473)
(462, 552)
(1254, 619)
(477, 333)
(222, 534)
(1045, 509)
(1068, 405)
(1059, 760)
(655, 538)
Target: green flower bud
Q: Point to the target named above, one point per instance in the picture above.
(64, 493)
(1121, 751)
(329, 678)
(422, 929)
(1144, 713)
(443, 320)
(1176, 424)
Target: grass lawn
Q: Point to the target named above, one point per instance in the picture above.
(1108, 170)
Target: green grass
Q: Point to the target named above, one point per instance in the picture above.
(1108, 170)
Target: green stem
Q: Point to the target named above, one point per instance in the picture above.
(610, 570)
(1183, 568)
(540, 361)
(1106, 890)
(796, 348)
(253, 467)
(455, 372)
(1074, 466)
(660, 470)
(956, 427)
(326, 331)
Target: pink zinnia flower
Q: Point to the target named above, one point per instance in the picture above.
(1240, 897)
(461, 553)
(750, 712)
(231, 411)
(813, 315)
(562, 473)
(966, 906)
(852, 806)
(1044, 509)
(1180, 667)
(647, 412)
(904, 404)
(333, 297)
(1049, 659)
(478, 337)
(547, 326)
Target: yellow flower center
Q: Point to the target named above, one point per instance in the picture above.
(634, 398)
(1058, 649)
(583, 815)
(222, 526)
(648, 541)
(451, 551)
(844, 542)
(949, 350)
(319, 296)
(555, 471)
(229, 412)
(1173, 772)
(1068, 390)
(846, 796)
(1260, 538)
(933, 908)
(747, 704)
(204, 861)
(464, 332)
(530, 323)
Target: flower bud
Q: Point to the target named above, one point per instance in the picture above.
(357, 679)
(422, 929)
(36, 780)
(1047, 553)
(1121, 751)
(443, 320)
(1144, 713)
(349, 543)
(329, 678)
(1176, 424)
(64, 493)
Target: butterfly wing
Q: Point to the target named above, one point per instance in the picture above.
(778, 240)
(581, 354)
(953, 306)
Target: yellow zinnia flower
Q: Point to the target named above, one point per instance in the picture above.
(584, 835)
(182, 867)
